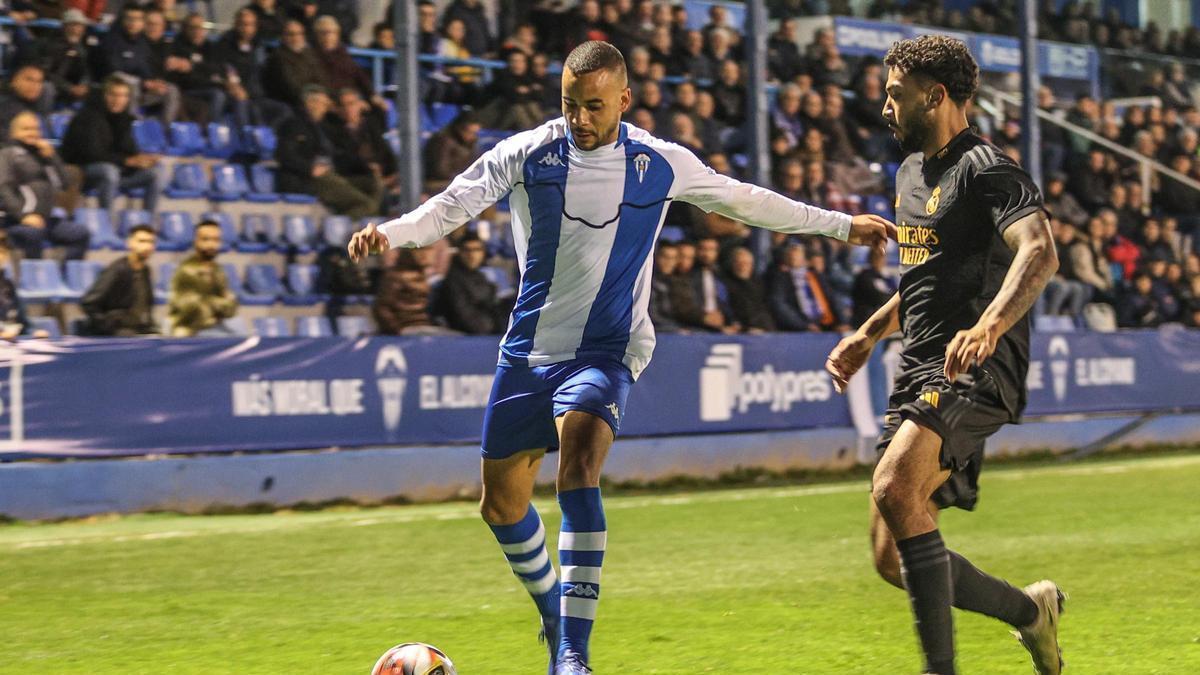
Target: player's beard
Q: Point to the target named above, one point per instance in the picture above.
(914, 132)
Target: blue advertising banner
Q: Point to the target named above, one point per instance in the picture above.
(995, 53)
(109, 397)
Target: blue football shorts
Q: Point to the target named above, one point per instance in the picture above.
(526, 400)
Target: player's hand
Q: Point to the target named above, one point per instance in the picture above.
(969, 348)
(367, 241)
(871, 230)
(847, 358)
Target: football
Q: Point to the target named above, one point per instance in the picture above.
(414, 658)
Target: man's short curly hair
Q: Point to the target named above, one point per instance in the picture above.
(944, 59)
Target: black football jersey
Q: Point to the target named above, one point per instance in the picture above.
(951, 212)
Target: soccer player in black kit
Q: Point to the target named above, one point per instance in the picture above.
(975, 252)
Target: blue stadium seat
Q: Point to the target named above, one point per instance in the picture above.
(260, 141)
(262, 185)
(41, 281)
(501, 278)
(99, 225)
(889, 173)
(302, 284)
(186, 139)
(264, 280)
(391, 118)
(245, 295)
(46, 323)
(188, 182)
(440, 114)
(880, 205)
(272, 326)
(222, 142)
(336, 231)
(176, 230)
(59, 122)
(313, 326)
(149, 136)
(299, 232)
(229, 233)
(162, 284)
(353, 326)
(488, 138)
(81, 275)
(672, 233)
(229, 183)
(131, 217)
(258, 233)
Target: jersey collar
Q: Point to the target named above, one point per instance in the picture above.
(948, 154)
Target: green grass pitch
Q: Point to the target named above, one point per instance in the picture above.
(765, 580)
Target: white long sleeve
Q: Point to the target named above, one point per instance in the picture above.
(755, 205)
(472, 191)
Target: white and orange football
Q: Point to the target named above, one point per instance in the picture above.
(414, 658)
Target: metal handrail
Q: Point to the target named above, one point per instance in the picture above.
(1146, 163)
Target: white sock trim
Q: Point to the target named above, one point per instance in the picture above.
(576, 573)
(578, 608)
(582, 541)
(531, 544)
(531, 566)
(543, 585)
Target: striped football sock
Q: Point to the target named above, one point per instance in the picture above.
(581, 553)
(524, 545)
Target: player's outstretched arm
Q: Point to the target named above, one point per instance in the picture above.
(849, 356)
(1032, 267)
(483, 183)
(761, 207)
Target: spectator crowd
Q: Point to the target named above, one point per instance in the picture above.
(1124, 245)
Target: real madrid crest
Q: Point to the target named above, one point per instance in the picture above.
(641, 163)
(932, 204)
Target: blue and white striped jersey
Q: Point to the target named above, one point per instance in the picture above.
(585, 223)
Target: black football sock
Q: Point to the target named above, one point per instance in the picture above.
(977, 591)
(925, 568)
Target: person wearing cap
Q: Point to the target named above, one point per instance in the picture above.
(65, 58)
(305, 156)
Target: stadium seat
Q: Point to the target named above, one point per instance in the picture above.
(501, 278)
(260, 141)
(237, 325)
(488, 138)
(46, 323)
(299, 232)
(162, 284)
(440, 114)
(131, 217)
(262, 185)
(245, 295)
(229, 233)
(176, 230)
(222, 142)
(878, 204)
(272, 326)
(258, 233)
(672, 233)
(149, 136)
(186, 139)
(353, 326)
(229, 183)
(336, 231)
(99, 225)
(81, 276)
(59, 122)
(313, 326)
(264, 280)
(302, 285)
(41, 281)
(187, 182)
(1053, 324)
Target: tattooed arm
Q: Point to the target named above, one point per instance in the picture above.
(1033, 265)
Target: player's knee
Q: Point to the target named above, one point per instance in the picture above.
(892, 498)
(496, 510)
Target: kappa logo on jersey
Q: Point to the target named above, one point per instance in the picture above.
(550, 159)
(641, 163)
(932, 204)
(581, 591)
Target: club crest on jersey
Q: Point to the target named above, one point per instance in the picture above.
(932, 204)
(641, 163)
(550, 159)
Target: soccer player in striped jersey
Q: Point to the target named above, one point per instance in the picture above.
(589, 194)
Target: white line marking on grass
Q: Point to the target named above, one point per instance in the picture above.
(452, 512)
